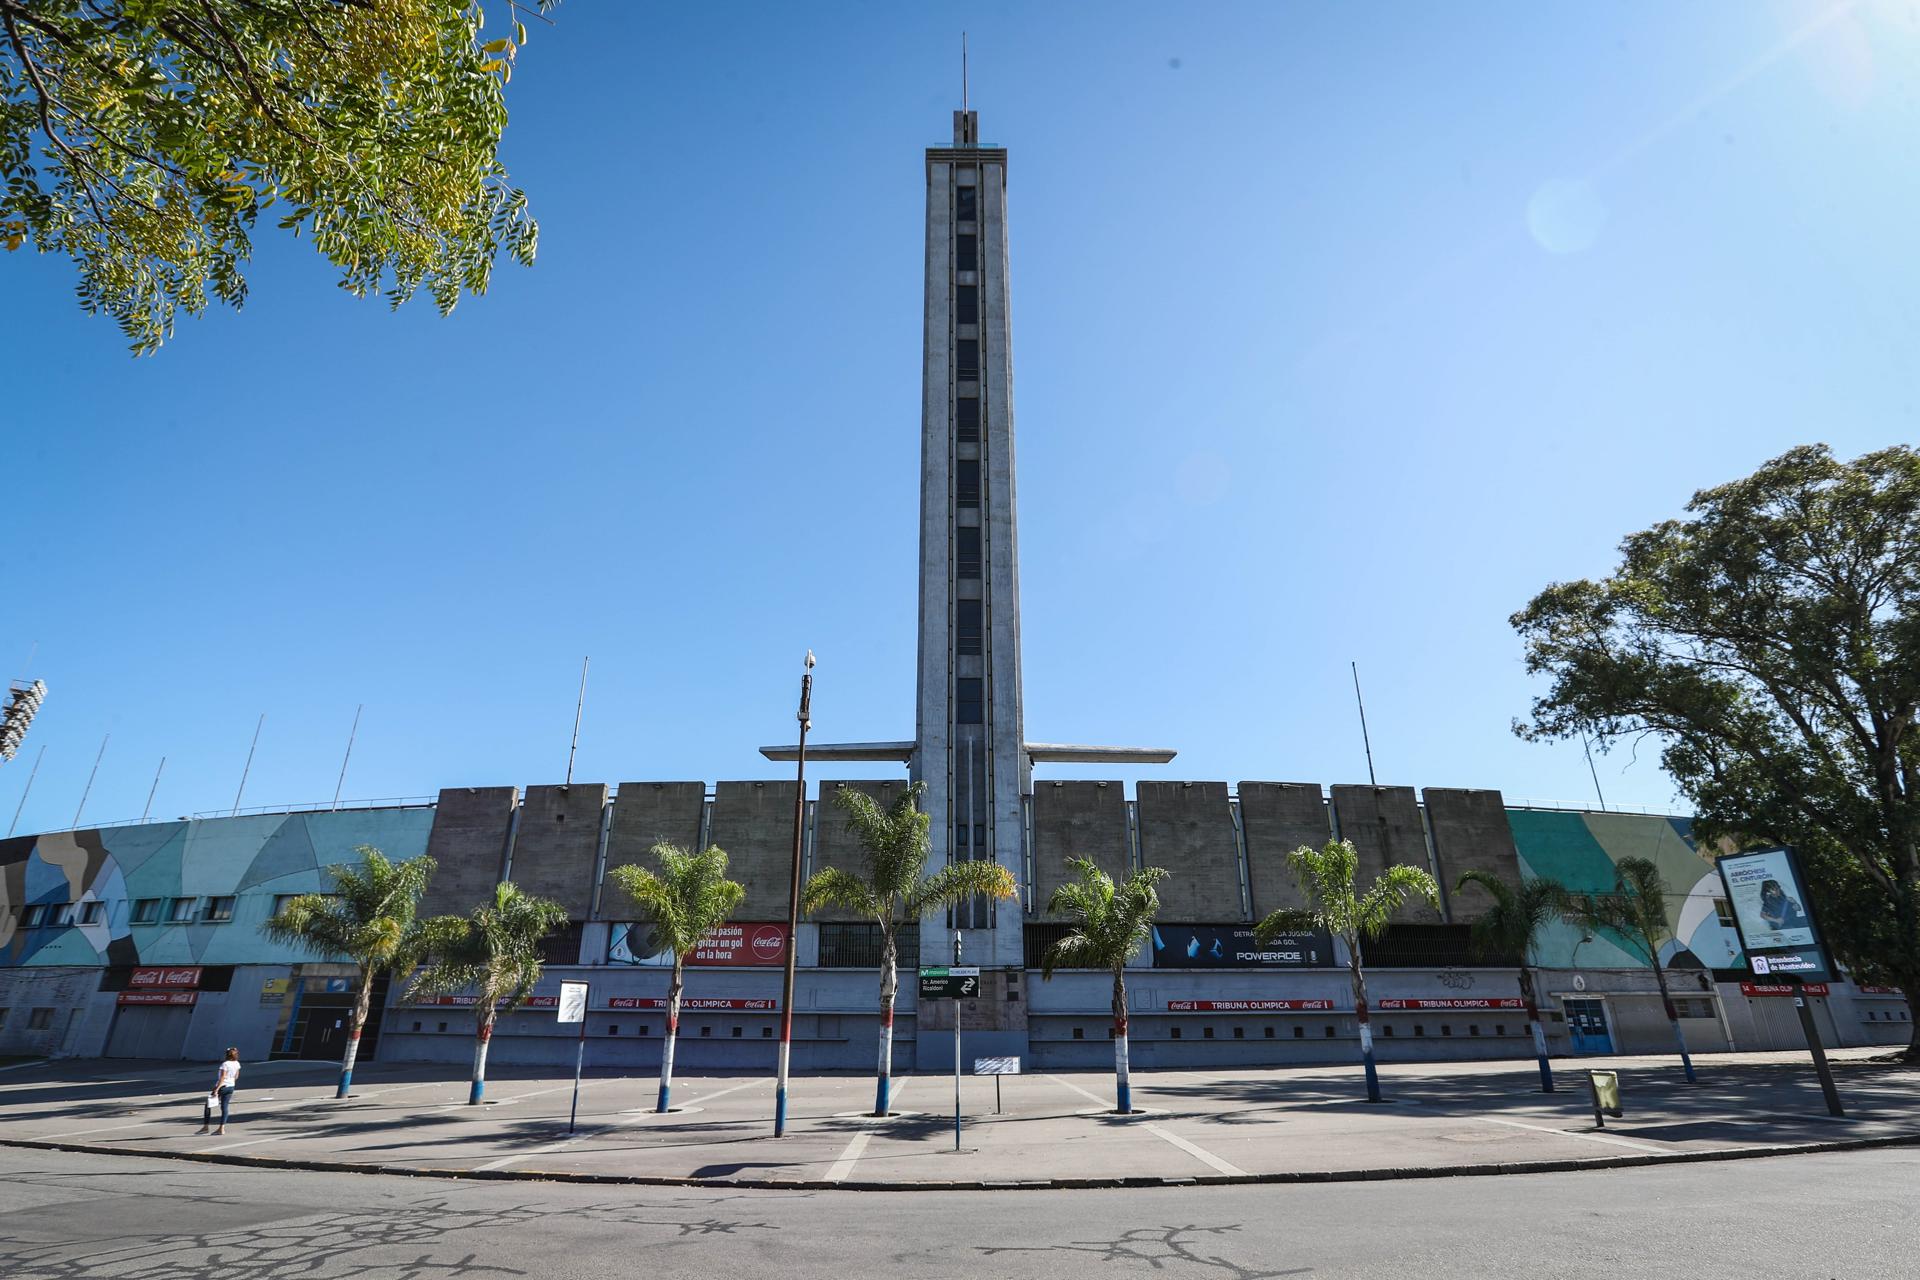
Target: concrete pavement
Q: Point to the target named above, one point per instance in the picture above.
(1053, 1129)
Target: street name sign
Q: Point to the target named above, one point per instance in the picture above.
(956, 982)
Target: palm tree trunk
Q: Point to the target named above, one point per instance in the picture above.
(1122, 1085)
(889, 988)
(1673, 1015)
(361, 1005)
(1534, 1028)
(482, 1038)
(674, 988)
(1360, 1016)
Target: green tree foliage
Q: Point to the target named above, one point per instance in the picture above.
(1770, 643)
(493, 953)
(1329, 877)
(1634, 915)
(1505, 932)
(369, 918)
(145, 138)
(896, 890)
(1110, 923)
(684, 901)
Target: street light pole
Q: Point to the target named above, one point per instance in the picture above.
(793, 908)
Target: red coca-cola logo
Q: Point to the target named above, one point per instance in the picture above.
(769, 942)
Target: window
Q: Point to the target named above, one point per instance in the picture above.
(1723, 911)
(1079, 1033)
(736, 1033)
(969, 700)
(33, 917)
(562, 946)
(1176, 1033)
(62, 914)
(281, 900)
(93, 912)
(966, 204)
(40, 1020)
(1446, 1028)
(766, 1033)
(966, 482)
(1270, 1032)
(1696, 1007)
(966, 417)
(1387, 1031)
(1207, 1033)
(1419, 1030)
(182, 910)
(966, 305)
(219, 910)
(1473, 1028)
(1299, 1033)
(966, 254)
(967, 552)
(416, 1026)
(1329, 1032)
(3, 1017)
(966, 632)
(849, 945)
(967, 359)
(147, 910)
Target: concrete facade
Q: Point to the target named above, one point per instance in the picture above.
(1470, 833)
(1077, 820)
(471, 827)
(1277, 818)
(1188, 828)
(1384, 824)
(753, 822)
(557, 844)
(646, 814)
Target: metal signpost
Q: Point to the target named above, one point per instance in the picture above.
(1773, 917)
(996, 1067)
(955, 983)
(573, 1008)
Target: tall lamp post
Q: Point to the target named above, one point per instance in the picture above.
(793, 909)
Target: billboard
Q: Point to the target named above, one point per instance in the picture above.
(729, 945)
(1232, 946)
(1772, 914)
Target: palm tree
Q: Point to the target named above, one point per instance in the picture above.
(1506, 932)
(687, 899)
(1110, 923)
(495, 951)
(1328, 877)
(370, 917)
(896, 890)
(1636, 913)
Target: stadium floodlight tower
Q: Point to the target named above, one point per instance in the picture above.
(22, 706)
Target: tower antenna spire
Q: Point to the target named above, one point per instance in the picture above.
(963, 72)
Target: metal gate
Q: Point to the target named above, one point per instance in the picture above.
(149, 1032)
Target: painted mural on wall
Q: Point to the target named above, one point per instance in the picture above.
(1580, 850)
(252, 859)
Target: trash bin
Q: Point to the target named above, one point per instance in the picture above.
(1605, 1086)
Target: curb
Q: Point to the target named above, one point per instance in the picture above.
(1386, 1174)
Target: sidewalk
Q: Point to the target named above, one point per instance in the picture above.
(1279, 1124)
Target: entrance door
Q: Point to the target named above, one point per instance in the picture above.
(324, 1032)
(1587, 1026)
(145, 1031)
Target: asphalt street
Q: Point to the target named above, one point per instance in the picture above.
(70, 1216)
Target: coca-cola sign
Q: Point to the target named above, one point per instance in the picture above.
(160, 976)
(159, 997)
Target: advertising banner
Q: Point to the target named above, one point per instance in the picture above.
(1783, 989)
(158, 976)
(689, 1005)
(159, 997)
(573, 1002)
(1232, 946)
(1464, 1002)
(1768, 901)
(730, 945)
(1249, 1006)
(467, 1002)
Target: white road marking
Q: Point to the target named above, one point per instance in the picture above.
(231, 1146)
(629, 1118)
(1105, 1103)
(1198, 1153)
(1570, 1133)
(857, 1146)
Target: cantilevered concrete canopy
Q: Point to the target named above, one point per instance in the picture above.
(901, 751)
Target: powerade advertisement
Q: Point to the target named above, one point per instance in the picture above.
(1231, 946)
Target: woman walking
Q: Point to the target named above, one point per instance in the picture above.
(222, 1092)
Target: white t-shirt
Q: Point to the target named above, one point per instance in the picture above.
(229, 1074)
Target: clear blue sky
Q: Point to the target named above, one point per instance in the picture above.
(1339, 331)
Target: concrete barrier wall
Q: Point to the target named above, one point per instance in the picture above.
(1279, 817)
(558, 842)
(753, 822)
(469, 843)
(834, 845)
(1470, 833)
(646, 814)
(1187, 827)
(1078, 820)
(1384, 824)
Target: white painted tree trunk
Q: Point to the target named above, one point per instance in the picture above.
(1122, 1080)
(673, 1034)
(362, 1004)
(889, 989)
(480, 1043)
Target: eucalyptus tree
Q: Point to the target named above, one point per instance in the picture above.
(1769, 641)
(370, 917)
(493, 952)
(1329, 876)
(684, 901)
(143, 140)
(1507, 931)
(893, 890)
(1635, 914)
(1110, 924)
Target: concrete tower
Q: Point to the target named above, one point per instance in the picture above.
(968, 727)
